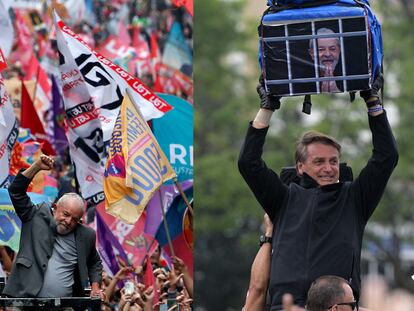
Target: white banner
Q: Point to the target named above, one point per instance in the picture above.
(107, 82)
(8, 133)
(85, 134)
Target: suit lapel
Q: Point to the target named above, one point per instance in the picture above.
(79, 241)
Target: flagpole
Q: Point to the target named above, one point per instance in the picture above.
(166, 229)
(147, 251)
(182, 193)
(36, 82)
(164, 220)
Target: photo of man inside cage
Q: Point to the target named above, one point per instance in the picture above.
(317, 57)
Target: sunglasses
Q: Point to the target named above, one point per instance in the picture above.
(353, 305)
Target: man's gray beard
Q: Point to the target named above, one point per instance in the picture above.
(62, 230)
(323, 67)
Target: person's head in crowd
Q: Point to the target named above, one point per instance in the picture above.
(318, 156)
(328, 50)
(69, 210)
(331, 293)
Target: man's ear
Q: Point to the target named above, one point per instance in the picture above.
(54, 206)
(299, 168)
(311, 53)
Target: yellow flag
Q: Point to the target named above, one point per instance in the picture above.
(136, 165)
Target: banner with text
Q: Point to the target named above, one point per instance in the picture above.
(88, 129)
(136, 166)
(101, 75)
(174, 133)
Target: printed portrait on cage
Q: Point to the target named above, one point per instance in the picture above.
(316, 57)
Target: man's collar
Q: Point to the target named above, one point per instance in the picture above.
(308, 182)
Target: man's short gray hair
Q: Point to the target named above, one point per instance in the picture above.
(324, 31)
(325, 291)
(72, 196)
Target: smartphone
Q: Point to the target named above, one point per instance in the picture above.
(129, 288)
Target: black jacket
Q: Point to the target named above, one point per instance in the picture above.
(37, 238)
(318, 229)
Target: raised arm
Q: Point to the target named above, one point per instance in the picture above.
(264, 183)
(18, 188)
(372, 180)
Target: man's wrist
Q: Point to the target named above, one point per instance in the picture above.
(265, 239)
(31, 171)
(372, 101)
(262, 119)
(375, 110)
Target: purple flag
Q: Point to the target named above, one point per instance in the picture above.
(163, 197)
(60, 141)
(112, 254)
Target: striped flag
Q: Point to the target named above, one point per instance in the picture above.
(136, 166)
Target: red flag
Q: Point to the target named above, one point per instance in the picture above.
(43, 92)
(188, 4)
(3, 64)
(155, 62)
(29, 119)
(149, 280)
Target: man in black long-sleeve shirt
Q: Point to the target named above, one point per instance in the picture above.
(320, 220)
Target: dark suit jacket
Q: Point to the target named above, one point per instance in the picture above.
(37, 237)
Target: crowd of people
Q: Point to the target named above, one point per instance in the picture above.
(173, 289)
